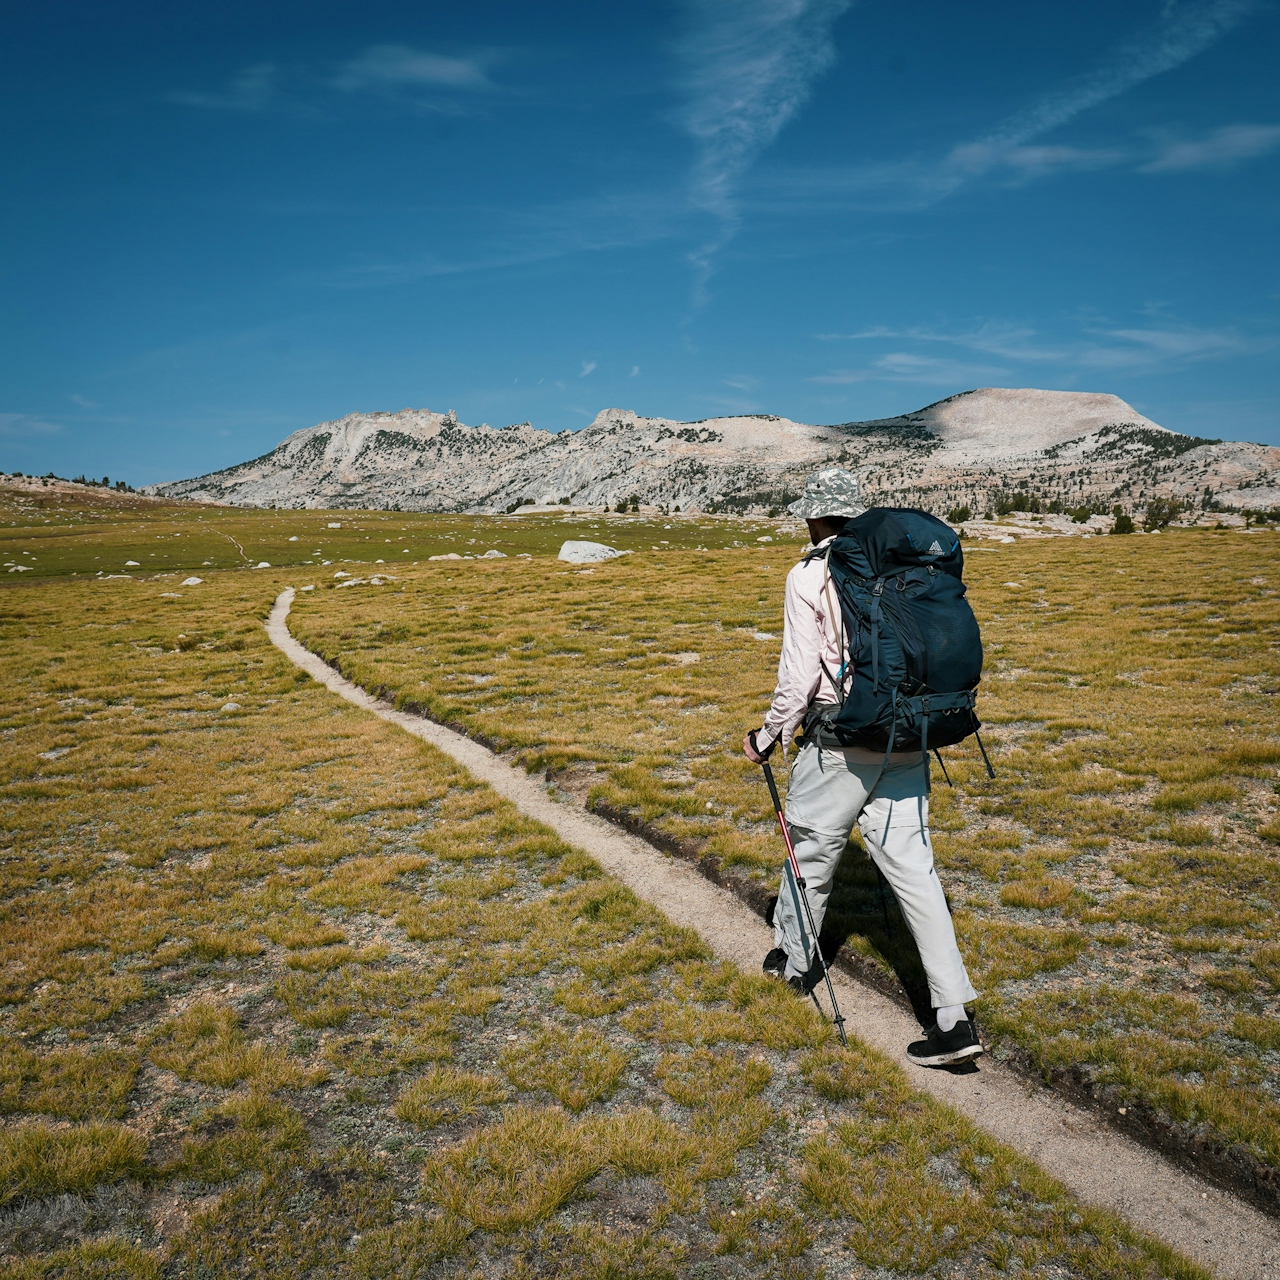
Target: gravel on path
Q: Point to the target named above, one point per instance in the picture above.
(1096, 1163)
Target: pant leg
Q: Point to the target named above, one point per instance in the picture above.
(818, 854)
(824, 796)
(895, 827)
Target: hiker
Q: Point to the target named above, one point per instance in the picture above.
(832, 787)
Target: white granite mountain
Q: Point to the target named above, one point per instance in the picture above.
(970, 448)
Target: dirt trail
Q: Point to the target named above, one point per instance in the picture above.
(1096, 1163)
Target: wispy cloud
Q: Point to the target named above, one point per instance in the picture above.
(509, 239)
(588, 366)
(1012, 152)
(252, 90)
(433, 81)
(1217, 150)
(83, 402)
(906, 366)
(1149, 348)
(1183, 32)
(749, 67)
(635, 371)
(1037, 162)
(384, 67)
(1094, 349)
(26, 424)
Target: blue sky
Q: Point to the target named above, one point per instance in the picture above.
(223, 222)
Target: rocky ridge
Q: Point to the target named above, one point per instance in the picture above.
(976, 449)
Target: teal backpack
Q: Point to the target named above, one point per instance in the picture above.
(911, 637)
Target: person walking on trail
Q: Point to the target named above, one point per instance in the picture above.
(832, 787)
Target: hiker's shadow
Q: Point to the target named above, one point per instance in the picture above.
(863, 915)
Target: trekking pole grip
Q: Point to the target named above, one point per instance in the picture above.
(773, 787)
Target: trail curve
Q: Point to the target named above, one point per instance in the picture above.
(1095, 1162)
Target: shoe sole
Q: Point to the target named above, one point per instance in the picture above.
(947, 1059)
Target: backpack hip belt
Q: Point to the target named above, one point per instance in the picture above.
(817, 726)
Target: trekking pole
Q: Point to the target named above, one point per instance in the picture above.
(801, 897)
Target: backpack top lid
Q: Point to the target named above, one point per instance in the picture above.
(891, 539)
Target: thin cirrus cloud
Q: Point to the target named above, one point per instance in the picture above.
(253, 89)
(588, 367)
(1012, 151)
(748, 69)
(1097, 349)
(26, 424)
(519, 238)
(1183, 32)
(387, 70)
(1217, 150)
(384, 67)
(907, 366)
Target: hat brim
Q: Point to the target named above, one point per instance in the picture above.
(818, 509)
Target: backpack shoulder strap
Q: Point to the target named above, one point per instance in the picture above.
(835, 618)
(818, 553)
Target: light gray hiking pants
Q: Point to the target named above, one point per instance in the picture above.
(831, 790)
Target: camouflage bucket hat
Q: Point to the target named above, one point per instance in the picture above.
(831, 492)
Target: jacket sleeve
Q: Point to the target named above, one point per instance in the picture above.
(799, 667)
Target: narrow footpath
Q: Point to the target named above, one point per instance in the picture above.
(1098, 1165)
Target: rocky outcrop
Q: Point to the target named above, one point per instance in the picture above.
(971, 449)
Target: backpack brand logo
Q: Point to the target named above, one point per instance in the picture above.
(935, 550)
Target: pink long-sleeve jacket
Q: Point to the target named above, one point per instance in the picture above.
(812, 651)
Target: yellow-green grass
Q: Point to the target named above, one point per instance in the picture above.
(1120, 870)
(54, 534)
(512, 1066)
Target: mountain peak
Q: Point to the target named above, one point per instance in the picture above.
(1066, 446)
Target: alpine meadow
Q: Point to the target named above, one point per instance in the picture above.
(288, 992)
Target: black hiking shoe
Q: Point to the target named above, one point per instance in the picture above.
(941, 1048)
(804, 983)
(775, 963)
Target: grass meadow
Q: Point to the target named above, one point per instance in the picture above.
(52, 529)
(1116, 886)
(286, 993)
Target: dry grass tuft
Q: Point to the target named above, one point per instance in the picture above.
(206, 1044)
(97, 1260)
(246, 1133)
(38, 1160)
(576, 1068)
(516, 1172)
(447, 1093)
(72, 1084)
(717, 1081)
